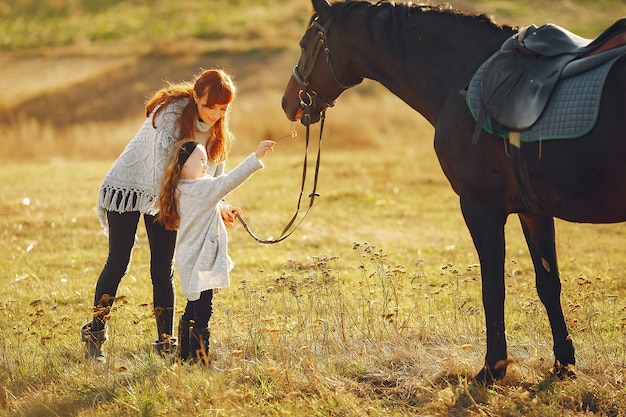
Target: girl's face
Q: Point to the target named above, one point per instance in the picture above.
(196, 165)
(209, 115)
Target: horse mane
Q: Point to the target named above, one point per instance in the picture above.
(388, 20)
(446, 8)
(343, 7)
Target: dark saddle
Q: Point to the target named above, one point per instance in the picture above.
(519, 79)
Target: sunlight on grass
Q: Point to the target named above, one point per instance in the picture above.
(33, 24)
(353, 321)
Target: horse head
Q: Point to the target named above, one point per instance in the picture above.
(320, 75)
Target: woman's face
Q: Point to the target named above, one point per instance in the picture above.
(196, 165)
(209, 115)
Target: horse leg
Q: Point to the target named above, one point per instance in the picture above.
(486, 225)
(539, 233)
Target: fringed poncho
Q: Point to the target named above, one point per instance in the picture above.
(134, 180)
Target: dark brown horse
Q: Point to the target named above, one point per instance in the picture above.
(426, 56)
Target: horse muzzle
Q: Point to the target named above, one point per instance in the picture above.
(304, 109)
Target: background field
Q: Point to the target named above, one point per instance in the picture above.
(371, 308)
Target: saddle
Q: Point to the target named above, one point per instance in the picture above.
(518, 80)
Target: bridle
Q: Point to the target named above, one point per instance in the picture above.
(308, 93)
(321, 43)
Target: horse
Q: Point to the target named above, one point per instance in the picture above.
(426, 56)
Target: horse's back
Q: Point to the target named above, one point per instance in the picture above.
(581, 179)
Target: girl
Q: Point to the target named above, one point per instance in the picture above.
(198, 110)
(189, 201)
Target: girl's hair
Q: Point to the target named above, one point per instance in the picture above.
(168, 198)
(220, 90)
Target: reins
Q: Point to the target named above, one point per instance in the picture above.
(286, 232)
(307, 93)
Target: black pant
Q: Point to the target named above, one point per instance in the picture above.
(200, 311)
(122, 230)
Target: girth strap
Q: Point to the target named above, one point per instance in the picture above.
(521, 173)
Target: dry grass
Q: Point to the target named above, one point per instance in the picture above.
(321, 323)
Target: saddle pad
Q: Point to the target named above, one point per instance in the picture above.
(572, 109)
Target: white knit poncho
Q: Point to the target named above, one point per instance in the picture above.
(134, 180)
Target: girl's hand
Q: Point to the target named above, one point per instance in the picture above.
(264, 147)
(228, 214)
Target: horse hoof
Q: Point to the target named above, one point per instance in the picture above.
(486, 377)
(563, 372)
(490, 374)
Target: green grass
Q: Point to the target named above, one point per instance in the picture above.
(28, 24)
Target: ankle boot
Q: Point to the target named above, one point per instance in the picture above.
(184, 352)
(166, 346)
(199, 345)
(93, 342)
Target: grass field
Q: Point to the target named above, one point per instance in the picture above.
(371, 308)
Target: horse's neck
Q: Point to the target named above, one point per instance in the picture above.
(440, 54)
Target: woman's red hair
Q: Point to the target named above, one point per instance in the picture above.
(219, 89)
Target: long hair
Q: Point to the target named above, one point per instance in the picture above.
(220, 89)
(169, 213)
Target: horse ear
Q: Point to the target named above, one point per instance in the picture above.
(320, 6)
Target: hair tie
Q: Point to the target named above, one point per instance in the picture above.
(185, 151)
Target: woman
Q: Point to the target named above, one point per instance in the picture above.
(197, 110)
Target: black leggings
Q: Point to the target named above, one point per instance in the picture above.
(122, 230)
(200, 311)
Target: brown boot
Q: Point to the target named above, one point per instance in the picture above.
(93, 342)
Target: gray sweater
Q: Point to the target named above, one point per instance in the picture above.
(202, 243)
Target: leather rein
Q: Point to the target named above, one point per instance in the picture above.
(306, 93)
(286, 232)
